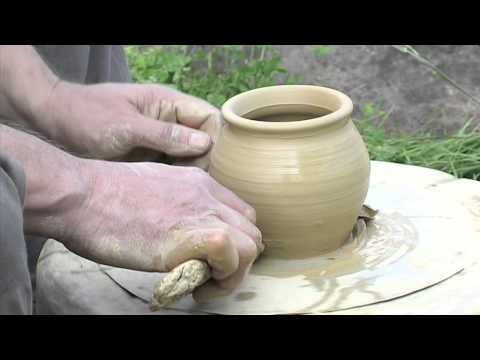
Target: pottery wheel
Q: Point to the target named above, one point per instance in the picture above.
(424, 236)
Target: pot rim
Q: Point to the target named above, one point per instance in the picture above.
(342, 110)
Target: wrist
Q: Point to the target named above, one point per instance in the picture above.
(57, 116)
(25, 82)
(58, 185)
(50, 208)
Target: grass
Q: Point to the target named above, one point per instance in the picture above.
(214, 75)
(457, 153)
(224, 71)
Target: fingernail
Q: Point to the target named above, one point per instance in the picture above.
(199, 140)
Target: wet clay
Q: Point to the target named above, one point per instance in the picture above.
(300, 162)
(373, 245)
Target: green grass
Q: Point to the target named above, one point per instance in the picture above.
(214, 75)
(457, 153)
(227, 70)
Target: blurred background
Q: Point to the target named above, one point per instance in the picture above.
(416, 105)
(412, 94)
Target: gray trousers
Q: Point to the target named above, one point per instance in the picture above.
(86, 64)
(18, 254)
(15, 285)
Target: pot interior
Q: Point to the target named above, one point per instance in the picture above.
(287, 113)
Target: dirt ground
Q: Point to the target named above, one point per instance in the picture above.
(396, 82)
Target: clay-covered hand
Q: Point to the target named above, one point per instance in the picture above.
(153, 217)
(131, 122)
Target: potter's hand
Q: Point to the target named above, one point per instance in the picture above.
(131, 122)
(153, 217)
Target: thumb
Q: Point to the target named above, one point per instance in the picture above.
(169, 138)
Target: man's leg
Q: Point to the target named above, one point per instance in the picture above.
(15, 286)
(69, 62)
(107, 63)
(89, 64)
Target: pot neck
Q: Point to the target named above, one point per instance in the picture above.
(289, 133)
(269, 110)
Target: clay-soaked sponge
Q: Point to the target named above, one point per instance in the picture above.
(181, 281)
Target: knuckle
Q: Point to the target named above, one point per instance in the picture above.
(249, 253)
(213, 215)
(198, 172)
(215, 186)
(167, 131)
(257, 236)
(219, 241)
(255, 233)
(251, 213)
(252, 231)
(201, 178)
(197, 175)
(258, 233)
(174, 134)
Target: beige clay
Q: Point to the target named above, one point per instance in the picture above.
(293, 153)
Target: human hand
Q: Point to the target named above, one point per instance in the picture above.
(131, 122)
(153, 217)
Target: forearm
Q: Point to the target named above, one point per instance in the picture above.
(54, 182)
(26, 82)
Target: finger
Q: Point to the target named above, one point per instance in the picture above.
(195, 113)
(172, 139)
(222, 287)
(230, 199)
(213, 126)
(170, 105)
(203, 161)
(214, 245)
(175, 107)
(240, 222)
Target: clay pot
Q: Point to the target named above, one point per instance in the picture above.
(294, 154)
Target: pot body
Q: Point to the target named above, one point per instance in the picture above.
(307, 183)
